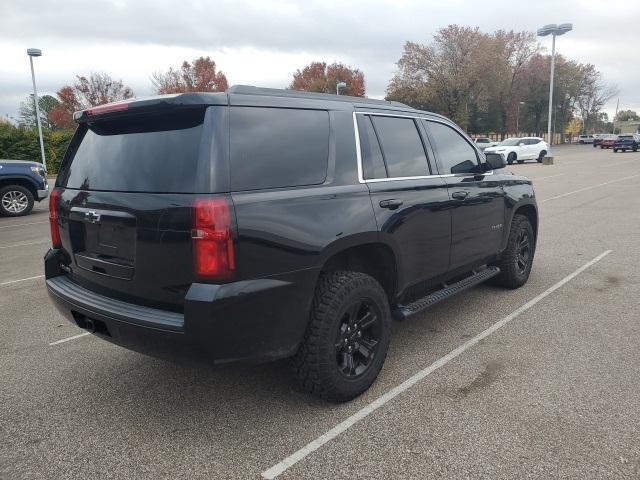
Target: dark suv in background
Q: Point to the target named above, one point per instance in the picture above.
(260, 224)
(21, 184)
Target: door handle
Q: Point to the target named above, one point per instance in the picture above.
(461, 195)
(391, 204)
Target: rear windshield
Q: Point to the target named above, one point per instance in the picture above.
(138, 154)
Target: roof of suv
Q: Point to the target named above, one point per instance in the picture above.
(248, 95)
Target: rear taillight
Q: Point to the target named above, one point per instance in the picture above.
(53, 218)
(212, 236)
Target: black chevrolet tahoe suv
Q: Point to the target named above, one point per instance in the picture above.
(22, 183)
(259, 224)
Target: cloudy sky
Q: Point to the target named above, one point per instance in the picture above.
(263, 42)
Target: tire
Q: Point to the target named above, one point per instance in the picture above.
(514, 267)
(635, 149)
(541, 155)
(594, 145)
(511, 158)
(615, 150)
(601, 147)
(15, 201)
(344, 300)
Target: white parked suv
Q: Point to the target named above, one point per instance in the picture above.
(586, 138)
(520, 149)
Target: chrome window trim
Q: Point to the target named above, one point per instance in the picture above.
(361, 178)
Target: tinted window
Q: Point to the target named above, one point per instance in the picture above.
(275, 147)
(138, 154)
(454, 152)
(532, 141)
(401, 146)
(372, 162)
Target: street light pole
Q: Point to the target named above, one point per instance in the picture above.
(553, 30)
(553, 65)
(36, 52)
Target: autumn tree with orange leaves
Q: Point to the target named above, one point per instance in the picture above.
(197, 76)
(320, 77)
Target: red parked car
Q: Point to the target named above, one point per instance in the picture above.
(608, 141)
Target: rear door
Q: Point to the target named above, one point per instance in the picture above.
(125, 208)
(478, 214)
(533, 147)
(409, 199)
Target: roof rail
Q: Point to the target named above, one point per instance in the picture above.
(277, 92)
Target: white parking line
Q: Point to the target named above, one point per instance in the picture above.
(21, 224)
(69, 339)
(291, 460)
(589, 188)
(23, 244)
(20, 280)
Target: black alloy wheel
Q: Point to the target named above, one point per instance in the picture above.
(523, 251)
(359, 334)
(347, 337)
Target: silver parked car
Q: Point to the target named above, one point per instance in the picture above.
(484, 142)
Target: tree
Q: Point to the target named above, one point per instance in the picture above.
(472, 77)
(197, 76)
(62, 115)
(626, 115)
(574, 127)
(323, 78)
(46, 103)
(98, 89)
(512, 51)
(593, 94)
(446, 76)
(536, 93)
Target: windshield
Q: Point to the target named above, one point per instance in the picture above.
(510, 142)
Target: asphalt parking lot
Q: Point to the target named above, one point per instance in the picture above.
(535, 383)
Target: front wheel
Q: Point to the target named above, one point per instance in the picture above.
(347, 338)
(615, 150)
(517, 259)
(15, 201)
(511, 158)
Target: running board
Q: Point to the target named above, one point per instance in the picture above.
(403, 311)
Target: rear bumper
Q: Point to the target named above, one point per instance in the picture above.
(253, 320)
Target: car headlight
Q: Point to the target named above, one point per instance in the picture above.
(38, 170)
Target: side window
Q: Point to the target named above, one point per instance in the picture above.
(402, 146)
(372, 161)
(276, 147)
(454, 152)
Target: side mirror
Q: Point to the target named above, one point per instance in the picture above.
(494, 161)
(521, 144)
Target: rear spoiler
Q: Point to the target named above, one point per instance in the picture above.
(149, 104)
